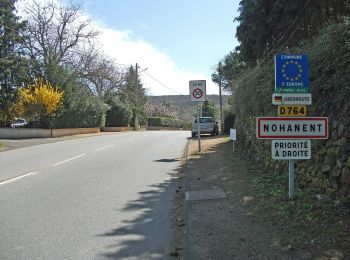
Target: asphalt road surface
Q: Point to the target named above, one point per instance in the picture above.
(101, 197)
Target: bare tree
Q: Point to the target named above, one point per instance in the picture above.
(99, 72)
(55, 31)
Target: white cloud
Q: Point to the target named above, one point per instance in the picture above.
(127, 48)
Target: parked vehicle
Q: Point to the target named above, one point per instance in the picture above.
(19, 122)
(207, 126)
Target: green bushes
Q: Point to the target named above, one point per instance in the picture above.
(80, 109)
(164, 121)
(155, 121)
(119, 113)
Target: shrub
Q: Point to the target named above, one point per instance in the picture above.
(38, 103)
(80, 109)
(155, 121)
(119, 113)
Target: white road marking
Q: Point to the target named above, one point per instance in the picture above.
(18, 178)
(70, 159)
(104, 147)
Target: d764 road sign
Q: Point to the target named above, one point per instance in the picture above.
(292, 127)
(291, 110)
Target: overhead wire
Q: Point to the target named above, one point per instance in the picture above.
(162, 84)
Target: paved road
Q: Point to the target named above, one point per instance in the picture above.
(104, 197)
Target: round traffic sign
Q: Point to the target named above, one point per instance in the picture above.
(197, 93)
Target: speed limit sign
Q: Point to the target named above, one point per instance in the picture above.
(197, 90)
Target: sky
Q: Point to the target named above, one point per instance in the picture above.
(175, 41)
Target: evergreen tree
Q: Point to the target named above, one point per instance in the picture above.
(232, 67)
(134, 95)
(266, 25)
(12, 64)
(209, 109)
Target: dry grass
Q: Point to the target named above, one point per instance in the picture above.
(207, 144)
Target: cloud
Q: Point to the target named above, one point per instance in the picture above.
(128, 48)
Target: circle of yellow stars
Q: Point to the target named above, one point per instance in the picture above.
(299, 70)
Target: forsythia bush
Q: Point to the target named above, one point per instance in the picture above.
(38, 102)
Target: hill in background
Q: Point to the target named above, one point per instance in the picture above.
(184, 101)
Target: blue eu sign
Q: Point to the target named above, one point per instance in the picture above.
(291, 73)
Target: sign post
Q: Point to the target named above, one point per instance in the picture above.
(198, 94)
(233, 137)
(291, 96)
(199, 127)
(291, 76)
(291, 179)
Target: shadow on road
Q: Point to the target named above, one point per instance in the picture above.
(167, 160)
(145, 236)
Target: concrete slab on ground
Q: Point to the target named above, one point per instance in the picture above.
(205, 194)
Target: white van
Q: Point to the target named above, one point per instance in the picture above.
(207, 126)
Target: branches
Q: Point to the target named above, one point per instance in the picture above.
(60, 47)
(100, 73)
(55, 31)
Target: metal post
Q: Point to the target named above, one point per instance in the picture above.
(291, 179)
(233, 146)
(199, 127)
(136, 119)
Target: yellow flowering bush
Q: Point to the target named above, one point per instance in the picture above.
(38, 102)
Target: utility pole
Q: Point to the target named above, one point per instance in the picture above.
(221, 121)
(136, 119)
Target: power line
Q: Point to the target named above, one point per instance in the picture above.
(162, 84)
(121, 64)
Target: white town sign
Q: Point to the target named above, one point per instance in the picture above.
(292, 127)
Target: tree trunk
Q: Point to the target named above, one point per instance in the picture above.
(136, 121)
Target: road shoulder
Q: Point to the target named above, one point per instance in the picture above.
(244, 225)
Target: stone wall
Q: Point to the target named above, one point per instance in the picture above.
(25, 133)
(328, 170)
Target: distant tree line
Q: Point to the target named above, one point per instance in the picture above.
(52, 53)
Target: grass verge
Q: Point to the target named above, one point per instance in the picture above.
(314, 219)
